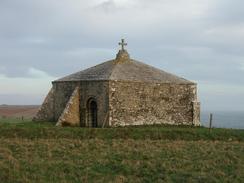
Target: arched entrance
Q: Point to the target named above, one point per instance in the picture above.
(92, 113)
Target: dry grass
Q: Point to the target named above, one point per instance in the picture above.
(124, 157)
(94, 160)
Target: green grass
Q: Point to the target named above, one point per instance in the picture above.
(14, 120)
(41, 152)
(47, 130)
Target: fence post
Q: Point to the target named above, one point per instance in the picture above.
(210, 121)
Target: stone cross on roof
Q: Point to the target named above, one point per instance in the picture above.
(122, 44)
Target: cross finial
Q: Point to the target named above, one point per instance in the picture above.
(122, 44)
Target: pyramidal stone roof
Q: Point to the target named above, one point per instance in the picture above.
(125, 69)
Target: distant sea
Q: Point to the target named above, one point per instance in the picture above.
(224, 119)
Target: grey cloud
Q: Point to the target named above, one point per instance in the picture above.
(200, 40)
(226, 12)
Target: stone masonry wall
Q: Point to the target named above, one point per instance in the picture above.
(46, 111)
(71, 113)
(97, 90)
(135, 103)
(196, 113)
(62, 94)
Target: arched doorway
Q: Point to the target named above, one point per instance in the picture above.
(92, 113)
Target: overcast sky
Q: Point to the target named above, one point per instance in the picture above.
(200, 40)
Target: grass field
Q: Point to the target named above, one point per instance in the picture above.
(41, 152)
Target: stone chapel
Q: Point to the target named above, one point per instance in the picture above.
(121, 92)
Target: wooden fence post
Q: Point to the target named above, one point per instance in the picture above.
(210, 121)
